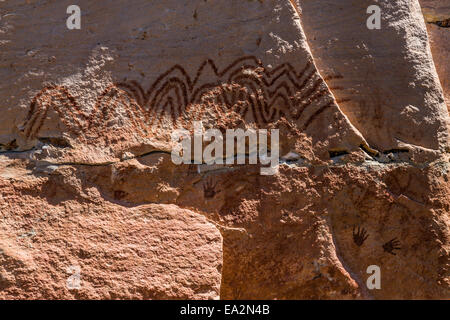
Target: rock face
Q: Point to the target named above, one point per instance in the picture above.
(145, 252)
(388, 82)
(437, 16)
(94, 207)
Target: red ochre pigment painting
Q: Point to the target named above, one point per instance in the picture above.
(244, 87)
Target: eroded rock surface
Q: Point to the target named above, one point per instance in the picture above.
(387, 82)
(437, 16)
(87, 180)
(50, 230)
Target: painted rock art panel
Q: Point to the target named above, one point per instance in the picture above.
(94, 206)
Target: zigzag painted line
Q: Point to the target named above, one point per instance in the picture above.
(249, 90)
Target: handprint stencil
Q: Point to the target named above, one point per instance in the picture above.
(391, 245)
(359, 236)
(209, 189)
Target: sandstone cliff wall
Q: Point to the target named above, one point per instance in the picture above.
(86, 177)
